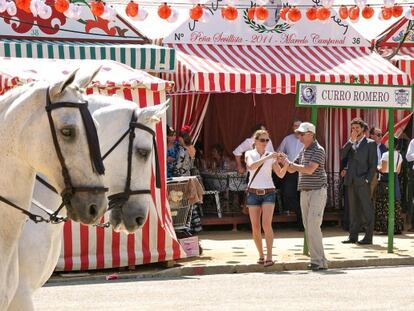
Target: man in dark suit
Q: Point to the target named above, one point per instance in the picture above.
(362, 161)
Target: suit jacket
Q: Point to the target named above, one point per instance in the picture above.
(382, 149)
(361, 163)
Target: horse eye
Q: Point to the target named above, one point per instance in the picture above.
(67, 132)
(143, 153)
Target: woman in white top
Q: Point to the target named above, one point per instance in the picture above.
(381, 202)
(261, 192)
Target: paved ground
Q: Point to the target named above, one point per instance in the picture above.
(336, 289)
(234, 252)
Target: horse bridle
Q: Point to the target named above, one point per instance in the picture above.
(118, 200)
(94, 153)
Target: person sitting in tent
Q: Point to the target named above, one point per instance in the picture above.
(172, 151)
(381, 203)
(186, 153)
(217, 159)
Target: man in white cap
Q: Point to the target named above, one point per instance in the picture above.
(312, 184)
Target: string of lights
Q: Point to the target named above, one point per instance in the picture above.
(258, 11)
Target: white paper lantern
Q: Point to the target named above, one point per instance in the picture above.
(327, 3)
(173, 17)
(109, 13)
(34, 6)
(142, 15)
(361, 3)
(44, 11)
(408, 15)
(74, 11)
(388, 3)
(206, 16)
(3, 6)
(11, 8)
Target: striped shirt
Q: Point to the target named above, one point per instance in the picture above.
(314, 153)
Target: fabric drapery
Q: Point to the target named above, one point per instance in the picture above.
(189, 110)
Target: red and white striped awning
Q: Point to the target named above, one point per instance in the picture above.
(276, 69)
(404, 60)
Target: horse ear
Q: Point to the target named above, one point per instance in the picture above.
(58, 87)
(153, 114)
(83, 80)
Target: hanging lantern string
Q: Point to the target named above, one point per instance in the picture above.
(188, 5)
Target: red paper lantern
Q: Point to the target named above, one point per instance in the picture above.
(196, 12)
(397, 10)
(323, 13)
(412, 11)
(386, 12)
(354, 13)
(23, 5)
(251, 13)
(294, 15)
(164, 11)
(343, 12)
(131, 9)
(283, 12)
(311, 13)
(367, 12)
(262, 13)
(97, 8)
(229, 13)
(61, 5)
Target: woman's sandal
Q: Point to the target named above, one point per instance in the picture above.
(268, 263)
(261, 261)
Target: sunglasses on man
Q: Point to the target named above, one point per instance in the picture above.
(263, 140)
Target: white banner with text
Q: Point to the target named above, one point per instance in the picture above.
(353, 95)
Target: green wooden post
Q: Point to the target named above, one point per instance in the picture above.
(391, 213)
(314, 119)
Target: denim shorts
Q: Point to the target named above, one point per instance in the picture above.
(258, 200)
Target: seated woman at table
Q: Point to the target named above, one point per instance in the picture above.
(261, 194)
(172, 151)
(186, 153)
(218, 161)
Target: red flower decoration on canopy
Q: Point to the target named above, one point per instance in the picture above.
(186, 129)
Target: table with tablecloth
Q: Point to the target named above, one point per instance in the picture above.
(230, 184)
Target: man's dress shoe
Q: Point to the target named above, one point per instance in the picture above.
(349, 241)
(364, 242)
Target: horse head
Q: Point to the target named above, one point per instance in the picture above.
(62, 143)
(129, 162)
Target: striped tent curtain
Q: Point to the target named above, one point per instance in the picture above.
(189, 110)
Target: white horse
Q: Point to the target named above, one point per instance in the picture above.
(34, 140)
(38, 261)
